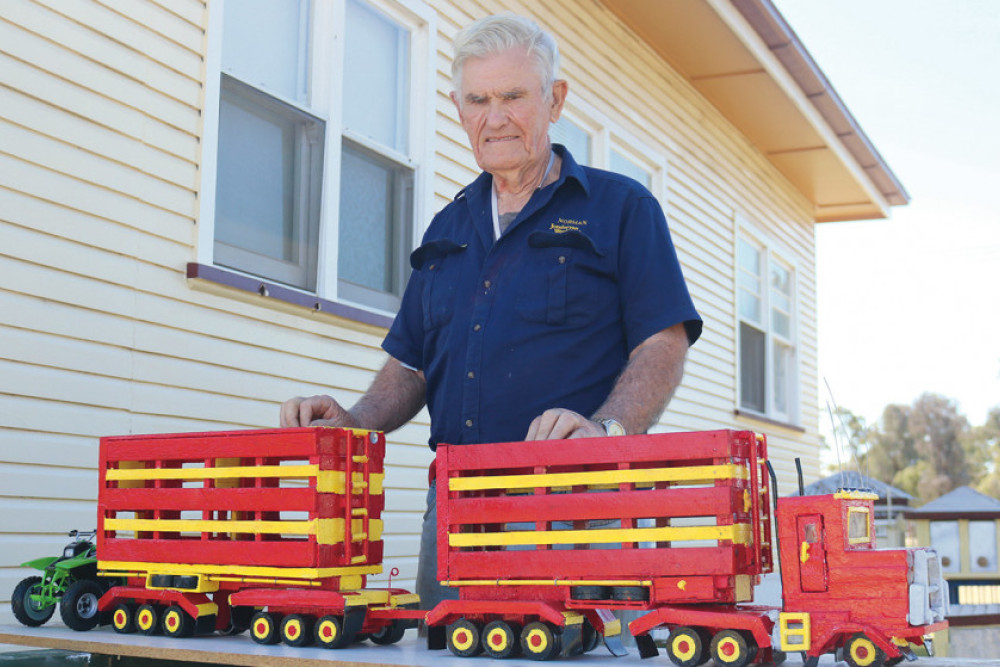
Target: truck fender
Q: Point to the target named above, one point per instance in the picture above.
(885, 643)
(757, 624)
(837, 636)
(448, 611)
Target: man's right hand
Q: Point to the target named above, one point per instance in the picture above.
(314, 411)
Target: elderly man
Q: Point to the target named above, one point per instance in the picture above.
(546, 300)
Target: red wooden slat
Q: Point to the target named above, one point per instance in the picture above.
(274, 443)
(641, 504)
(592, 563)
(670, 447)
(235, 499)
(212, 552)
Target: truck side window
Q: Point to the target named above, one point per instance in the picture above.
(858, 522)
(811, 534)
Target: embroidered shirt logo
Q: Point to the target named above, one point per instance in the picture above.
(567, 225)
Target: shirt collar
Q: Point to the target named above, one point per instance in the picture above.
(478, 193)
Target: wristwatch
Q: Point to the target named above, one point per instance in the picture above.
(612, 426)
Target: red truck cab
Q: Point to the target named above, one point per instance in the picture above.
(838, 589)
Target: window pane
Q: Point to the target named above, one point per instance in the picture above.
(573, 137)
(983, 546)
(375, 200)
(944, 539)
(781, 300)
(749, 306)
(782, 378)
(266, 43)
(254, 197)
(267, 193)
(622, 165)
(781, 324)
(376, 56)
(748, 258)
(857, 525)
(752, 365)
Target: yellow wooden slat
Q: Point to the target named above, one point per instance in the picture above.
(332, 481)
(690, 474)
(738, 534)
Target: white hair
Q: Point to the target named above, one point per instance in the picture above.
(495, 34)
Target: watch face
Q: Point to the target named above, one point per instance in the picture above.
(611, 427)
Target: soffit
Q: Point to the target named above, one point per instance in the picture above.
(743, 58)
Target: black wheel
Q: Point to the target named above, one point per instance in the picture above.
(28, 611)
(464, 638)
(501, 639)
(685, 647)
(147, 620)
(731, 648)
(329, 632)
(78, 606)
(177, 622)
(860, 651)
(591, 637)
(239, 621)
(296, 630)
(590, 592)
(540, 641)
(264, 628)
(388, 634)
(123, 618)
(630, 593)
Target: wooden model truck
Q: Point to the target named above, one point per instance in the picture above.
(541, 538)
(274, 531)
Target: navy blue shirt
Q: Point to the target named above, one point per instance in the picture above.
(546, 316)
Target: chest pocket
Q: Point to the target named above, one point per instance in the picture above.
(564, 278)
(439, 264)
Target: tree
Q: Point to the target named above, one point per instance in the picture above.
(927, 448)
(937, 430)
(982, 446)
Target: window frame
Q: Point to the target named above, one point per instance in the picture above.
(607, 136)
(771, 252)
(325, 85)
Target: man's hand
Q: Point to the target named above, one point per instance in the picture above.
(559, 423)
(314, 411)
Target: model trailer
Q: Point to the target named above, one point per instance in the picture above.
(278, 531)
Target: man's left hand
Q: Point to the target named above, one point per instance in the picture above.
(559, 423)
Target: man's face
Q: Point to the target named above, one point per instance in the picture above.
(504, 110)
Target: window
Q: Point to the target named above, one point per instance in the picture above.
(858, 525)
(945, 540)
(574, 137)
(768, 371)
(316, 180)
(983, 546)
(625, 165)
(595, 140)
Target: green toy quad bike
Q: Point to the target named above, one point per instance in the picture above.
(69, 581)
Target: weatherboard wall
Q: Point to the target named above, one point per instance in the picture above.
(100, 150)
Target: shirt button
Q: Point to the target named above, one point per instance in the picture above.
(562, 259)
(487, 284)
(468, 422)
(470, 375)
(477, 327)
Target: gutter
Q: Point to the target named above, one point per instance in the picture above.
(782, 41)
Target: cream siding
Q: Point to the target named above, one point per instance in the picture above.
(100, 126)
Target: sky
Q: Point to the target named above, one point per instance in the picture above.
(912, 304)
